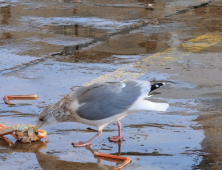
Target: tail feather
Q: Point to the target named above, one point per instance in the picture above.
(145, 105)
(148, 105)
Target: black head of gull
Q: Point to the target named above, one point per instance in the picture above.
(100, 104)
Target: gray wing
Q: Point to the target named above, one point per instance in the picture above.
(107, 100)
(82, 90)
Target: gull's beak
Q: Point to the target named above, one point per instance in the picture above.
(36, 128)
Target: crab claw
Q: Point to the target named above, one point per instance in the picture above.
(42, 134)
(6, 131)
(7, 140)
(35, 129)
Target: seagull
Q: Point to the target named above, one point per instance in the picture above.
(100, 104)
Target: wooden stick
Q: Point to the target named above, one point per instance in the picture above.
(19, 97)
(125, 160)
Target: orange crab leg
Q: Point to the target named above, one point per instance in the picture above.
(43, 135)
(125, 160)
(19, 97)
(7, 140)
(16, 137)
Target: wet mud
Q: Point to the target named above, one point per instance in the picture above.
(51, 48)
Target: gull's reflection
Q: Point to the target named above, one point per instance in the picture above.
(52, 162)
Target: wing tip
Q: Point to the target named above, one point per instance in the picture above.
(156, 86)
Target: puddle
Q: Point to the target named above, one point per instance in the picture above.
(95, 22)
(60, 40)
(151, 146)
(12, 61)
(76, 31)
(161, 126)
(97, 57)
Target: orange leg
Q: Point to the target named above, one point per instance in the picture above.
(116, 138)
(80, 144)
(19, 97)
(125, 160)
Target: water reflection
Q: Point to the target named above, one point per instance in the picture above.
(149, 4)
(5, 35)
(211, 124)
(5, 14)
(69, 1)
(67, 50)
(88, 56)
(21, 147)
(52, 162)
(138, 43)
(76, 30)
(155, 43)
(97, 30)
(129, 44)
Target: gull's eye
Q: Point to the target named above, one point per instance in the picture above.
(41, 120)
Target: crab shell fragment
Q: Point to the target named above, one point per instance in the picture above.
(26, 138)
(23, 133)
